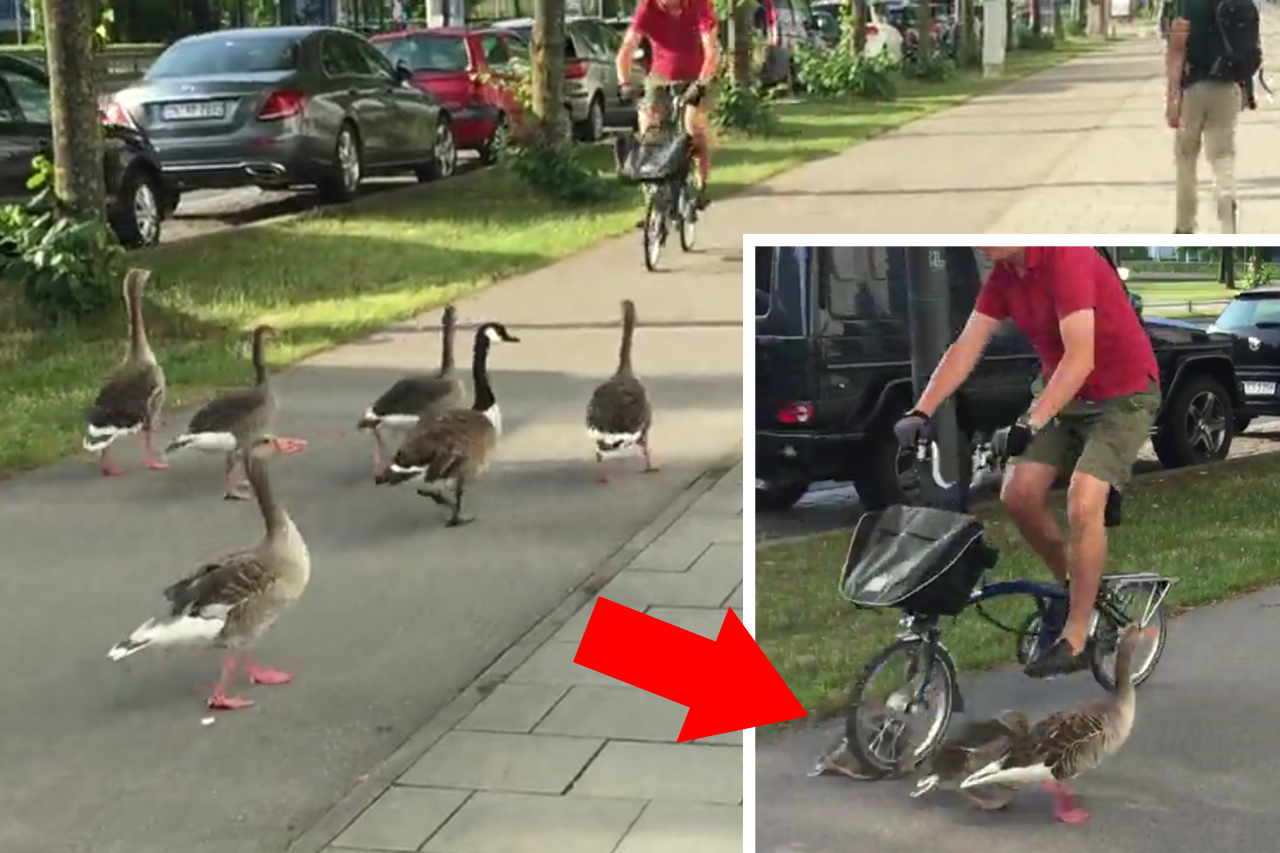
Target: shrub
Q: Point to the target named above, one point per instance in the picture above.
(65, 269)
(837, 72)
(743, 109)
(934, 69)
(1031, 40)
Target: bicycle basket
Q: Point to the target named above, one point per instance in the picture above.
(655, 158)
(920, 560)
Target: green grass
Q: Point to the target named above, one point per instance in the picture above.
(1182, 298)
(1214, 527)
(330, 278)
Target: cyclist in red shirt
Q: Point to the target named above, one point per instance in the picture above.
(1098, 397)
(685, 43)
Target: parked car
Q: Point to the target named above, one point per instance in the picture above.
(833, 373)
(280, 107)
(136, 191)
(881, 36)
(782, 25)
(593, 96)
(471, 71)
(1252, 319)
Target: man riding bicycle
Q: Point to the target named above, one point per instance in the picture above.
(684, 39)
(1099, 396)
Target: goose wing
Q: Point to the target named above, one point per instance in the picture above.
(226, 411)
(619, 407)
(219, 586)
(442, 448)
(977, 744)
(126, 400)
(409, 396)
(1067, 742)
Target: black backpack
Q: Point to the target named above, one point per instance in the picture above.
(1241, 55)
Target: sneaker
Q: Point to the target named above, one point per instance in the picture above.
(702, 201)
(1057, 660)
(1053, 620)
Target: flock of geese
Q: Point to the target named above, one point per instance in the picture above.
(229, 602)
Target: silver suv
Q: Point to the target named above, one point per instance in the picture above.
(590, 78)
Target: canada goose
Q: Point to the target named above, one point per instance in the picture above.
(975, 746)
(454, 447)
(232, 600)
(405, 402)
(1065, 744)
(229, 422)
(619, 415)
(131, 399)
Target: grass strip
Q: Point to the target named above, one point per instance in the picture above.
(336, 276)
(1214, 527)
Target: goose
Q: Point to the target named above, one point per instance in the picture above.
(132, 397)
(229, 602)
(1066, 744)
(405, 402)
(454, 447)
(975, 746)
(619, 415)
(229, 422)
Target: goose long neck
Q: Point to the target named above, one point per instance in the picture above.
(139, 346)
(446, 355)
(480, 374)
(1125, 692)
(259, 358)
(274, 518)
(628, 335)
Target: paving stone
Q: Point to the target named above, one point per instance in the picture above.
(623, 712)
(514, 707)
(671, 827)
(401, 819)
(735, 601)
(670, 553)
(553, 664)
(727, 739)
(706, 584)
(700, 620)
(521, 823)
(659, 771)
(492, 761)
(709, 528)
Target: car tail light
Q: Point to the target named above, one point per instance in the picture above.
(281, 104)
(795, 413)
(114, 113)
(873, 30)
(575, 70)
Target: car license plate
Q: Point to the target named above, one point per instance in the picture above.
(193, 110)
(1259, 389)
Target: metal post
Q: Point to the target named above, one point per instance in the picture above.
(929, 313)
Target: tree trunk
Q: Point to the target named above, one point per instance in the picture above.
(73, 105)
(966, 51)
(1227, 268)
(1034, 9)
(742, 50)
(860, 17)
(547, 54)
(925, 28)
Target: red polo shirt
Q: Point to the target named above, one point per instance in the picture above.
(675, 37)
(1060, 280)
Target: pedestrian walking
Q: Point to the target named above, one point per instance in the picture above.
(1214, 52)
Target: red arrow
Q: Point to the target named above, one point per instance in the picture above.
(727, 684)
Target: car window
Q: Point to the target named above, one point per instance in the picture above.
(593, 35)
(427, 53)
(374, 59)
(341, 56)
(517, 50)
(30, 95)
(494, 48)
(226, 55)
(1245, 313)
(612, 40)
(856, 283)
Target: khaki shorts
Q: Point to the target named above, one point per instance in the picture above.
(1101, 439)
(659, 98)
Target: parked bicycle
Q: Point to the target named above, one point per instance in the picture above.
(662, 163)
(929, 564)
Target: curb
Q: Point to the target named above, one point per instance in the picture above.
(342, 813)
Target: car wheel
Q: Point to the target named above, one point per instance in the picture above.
(591, 128)
(491, 150)
(1242, 423)
(347, 172)
(444, 161)
(780, 492)
(1199, 424)
(139, 210)
(170, 200)
(886, 473)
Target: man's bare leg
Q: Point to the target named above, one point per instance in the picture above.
(1025, 495)
(1086, 511)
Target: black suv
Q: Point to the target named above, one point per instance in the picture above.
(137, 196)
(1253, 322)
(833, 373)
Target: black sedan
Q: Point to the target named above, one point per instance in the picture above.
(137, 196)
(1253, 320)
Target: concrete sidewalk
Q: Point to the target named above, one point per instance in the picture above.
(1082, 148)
(544, 756)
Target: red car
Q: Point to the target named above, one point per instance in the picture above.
(454, 64)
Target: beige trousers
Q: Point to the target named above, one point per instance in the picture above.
(1209, 112)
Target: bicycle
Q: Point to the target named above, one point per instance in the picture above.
(946, 581)
(671, 195)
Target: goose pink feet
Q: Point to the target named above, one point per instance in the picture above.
(223, 702)
(262, 675)
(1064, 803)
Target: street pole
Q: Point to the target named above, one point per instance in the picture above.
(929, 317)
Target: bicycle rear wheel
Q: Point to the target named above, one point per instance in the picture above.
(687, 205)
(1143, 604)
(889, 730)
(655, 231)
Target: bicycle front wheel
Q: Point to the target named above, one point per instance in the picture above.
(892, 729)
(688, 218)
(655, 228)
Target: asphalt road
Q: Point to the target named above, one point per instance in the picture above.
(402, 613)
(1197, 774)
(830, 506)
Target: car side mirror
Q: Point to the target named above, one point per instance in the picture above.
(403, 72)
